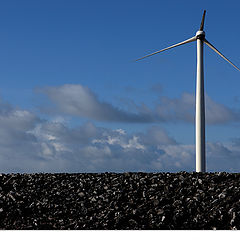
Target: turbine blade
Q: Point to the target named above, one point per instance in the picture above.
(214, 49)
(202, 23)
(176, 45)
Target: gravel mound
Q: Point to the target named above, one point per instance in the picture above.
(120, 201)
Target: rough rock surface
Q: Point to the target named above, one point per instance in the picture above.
(120, 201)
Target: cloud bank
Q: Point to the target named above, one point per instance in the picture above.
(77, 100)
(30, 144)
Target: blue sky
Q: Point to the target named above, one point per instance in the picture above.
(68, 69)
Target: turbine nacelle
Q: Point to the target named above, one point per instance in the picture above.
(200, 35)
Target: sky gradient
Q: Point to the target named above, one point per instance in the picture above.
(72, 98)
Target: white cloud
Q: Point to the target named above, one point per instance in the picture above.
(156, 135)
(178, 109)
(109, 150)
(77, 100)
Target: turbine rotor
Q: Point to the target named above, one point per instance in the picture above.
(199, 35)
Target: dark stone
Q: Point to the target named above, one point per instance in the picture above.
(120, 201)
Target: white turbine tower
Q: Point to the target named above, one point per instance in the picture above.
(200, 104)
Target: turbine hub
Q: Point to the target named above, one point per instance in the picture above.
(200, 35)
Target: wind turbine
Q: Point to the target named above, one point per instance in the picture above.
(200, 103)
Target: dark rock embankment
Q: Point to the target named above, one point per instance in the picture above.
(120, 201)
